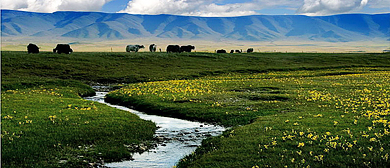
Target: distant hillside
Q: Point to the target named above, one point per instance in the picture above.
(95, 25)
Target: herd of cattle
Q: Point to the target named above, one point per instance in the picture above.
(249, 50)
(60, 48)
(65, 48)
(153, 47)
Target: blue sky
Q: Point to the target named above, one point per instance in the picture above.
(115, 6)
(205, 7)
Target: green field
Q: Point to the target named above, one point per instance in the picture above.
(294, 110)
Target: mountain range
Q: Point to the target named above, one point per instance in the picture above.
(113, 26)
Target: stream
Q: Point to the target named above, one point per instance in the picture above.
(178, 138)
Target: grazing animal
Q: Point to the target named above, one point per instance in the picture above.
(238, 51)
(250, 50)
(62, 48)
(187, 48)
(231, 51)
(135, 48)
(32, 48)
(221, 51)
(152, 48)
(173, 48)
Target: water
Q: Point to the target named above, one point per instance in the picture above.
(179, 138)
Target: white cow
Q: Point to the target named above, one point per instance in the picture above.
(135, 48)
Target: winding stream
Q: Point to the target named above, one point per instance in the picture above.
(179, 138)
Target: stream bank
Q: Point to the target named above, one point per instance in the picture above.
(177, 138)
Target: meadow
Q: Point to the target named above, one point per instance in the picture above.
(309, 118)
(294, 110)
(51, 126)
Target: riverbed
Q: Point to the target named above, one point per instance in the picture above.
(177, 138)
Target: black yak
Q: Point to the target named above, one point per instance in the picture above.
(221, 51)
(32, 48)
(187, 48)
(173, 48)
(62, 48)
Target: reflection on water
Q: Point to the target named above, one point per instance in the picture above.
(179, 138)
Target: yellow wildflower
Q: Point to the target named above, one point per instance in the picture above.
(274, 143)
(370, 148)
(301, 144)
(299, 152)
(318, 158)
(266, 146)
(385, 157)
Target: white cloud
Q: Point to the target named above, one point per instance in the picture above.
(13, 4)
(214, 10)
(327, 7)
(54, 5)
(208, 8)
(160, 6)
(203, 7)
(276, 3)
(188, 7)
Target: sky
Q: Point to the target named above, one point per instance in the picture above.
(205, 8)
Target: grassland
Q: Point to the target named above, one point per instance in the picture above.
(310, 118)
(54, 127)
(22, 70)
(285, 109)
(292, 45)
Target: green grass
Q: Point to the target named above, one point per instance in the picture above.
(295, 119)
(42, 126)
(34, 69)
(262, 95)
